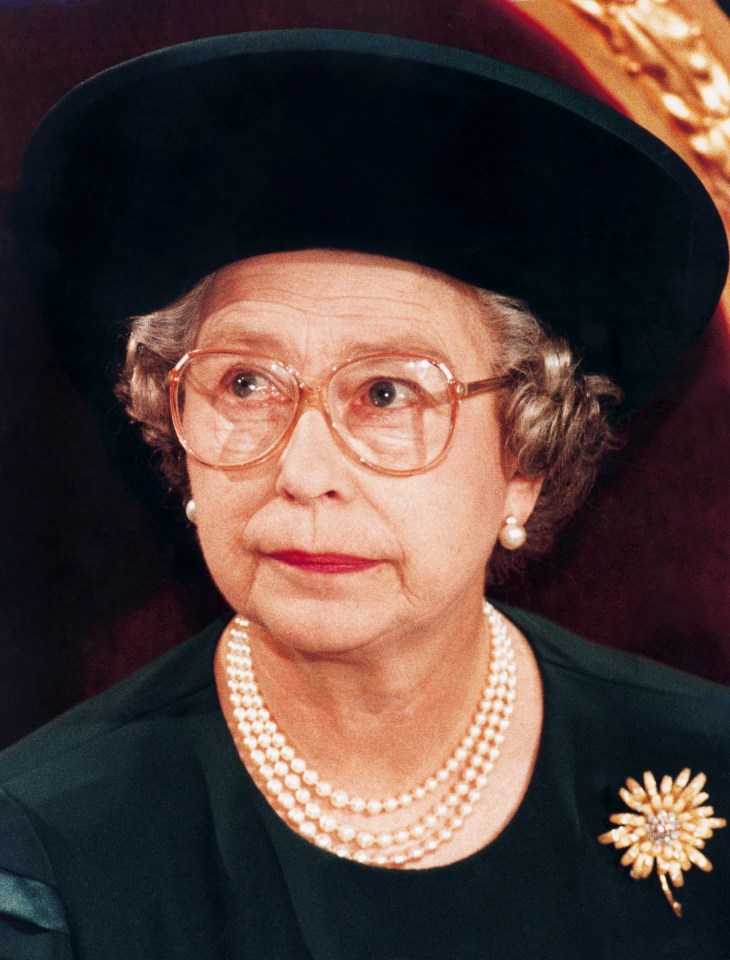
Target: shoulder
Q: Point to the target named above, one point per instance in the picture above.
(106, 731)
(568, 652)
(613, 678)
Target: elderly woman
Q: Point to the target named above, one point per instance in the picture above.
(366, 759)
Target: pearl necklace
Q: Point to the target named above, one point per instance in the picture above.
(311, 805)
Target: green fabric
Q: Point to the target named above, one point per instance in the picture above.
(136, 808)
(31, 901)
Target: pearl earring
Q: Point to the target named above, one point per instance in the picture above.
(512, 535)
(190, 509)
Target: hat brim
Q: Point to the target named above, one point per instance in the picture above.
(157, 172)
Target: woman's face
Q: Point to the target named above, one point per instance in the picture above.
(430, 534)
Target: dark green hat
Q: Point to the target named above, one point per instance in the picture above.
(158, 171)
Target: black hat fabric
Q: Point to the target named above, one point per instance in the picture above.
(163, 169)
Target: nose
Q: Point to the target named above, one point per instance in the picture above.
(312, 466)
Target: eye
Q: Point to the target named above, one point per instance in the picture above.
(245, 384)
(391, 393)
(250, 385)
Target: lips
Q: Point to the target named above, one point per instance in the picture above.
(324, 562)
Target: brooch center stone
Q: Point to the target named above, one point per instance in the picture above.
(662, 828)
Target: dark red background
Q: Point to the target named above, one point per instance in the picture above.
(99, 573)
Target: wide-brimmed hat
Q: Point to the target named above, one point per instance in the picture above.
(161, 170)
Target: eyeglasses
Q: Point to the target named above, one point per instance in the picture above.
(394, 414)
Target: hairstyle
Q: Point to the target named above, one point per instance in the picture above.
(555, 421)
(554, 417)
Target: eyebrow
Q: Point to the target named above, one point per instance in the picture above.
(269, 343)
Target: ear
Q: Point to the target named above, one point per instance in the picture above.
(521, 497)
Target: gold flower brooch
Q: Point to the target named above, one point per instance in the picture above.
(667, 828)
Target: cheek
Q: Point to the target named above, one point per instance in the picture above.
(473, 490)
(224, 508)
(448, 522)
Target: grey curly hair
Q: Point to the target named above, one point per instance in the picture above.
(554, 418)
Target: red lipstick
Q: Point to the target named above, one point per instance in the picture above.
(324, 562)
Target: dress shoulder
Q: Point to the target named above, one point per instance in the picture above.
(160, 688)
(33, 923)
(570, 652)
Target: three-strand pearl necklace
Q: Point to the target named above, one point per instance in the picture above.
(314, 808)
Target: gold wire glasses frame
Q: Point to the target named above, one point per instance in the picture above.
(305, 396)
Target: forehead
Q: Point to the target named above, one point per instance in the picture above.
(329, 305)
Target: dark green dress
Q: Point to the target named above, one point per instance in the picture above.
(129, 830)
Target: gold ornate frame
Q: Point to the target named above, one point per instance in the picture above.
(668, 63)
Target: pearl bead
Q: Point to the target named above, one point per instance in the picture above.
(512, 536)
(461, 775)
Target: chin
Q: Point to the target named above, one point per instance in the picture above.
(321, 625)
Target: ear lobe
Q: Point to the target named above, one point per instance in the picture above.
(522, 494)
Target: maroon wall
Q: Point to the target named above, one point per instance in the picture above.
(98, 572)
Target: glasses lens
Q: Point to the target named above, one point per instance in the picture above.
(393, 412)
(233, 408)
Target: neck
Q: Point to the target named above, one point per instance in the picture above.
(374, 722)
